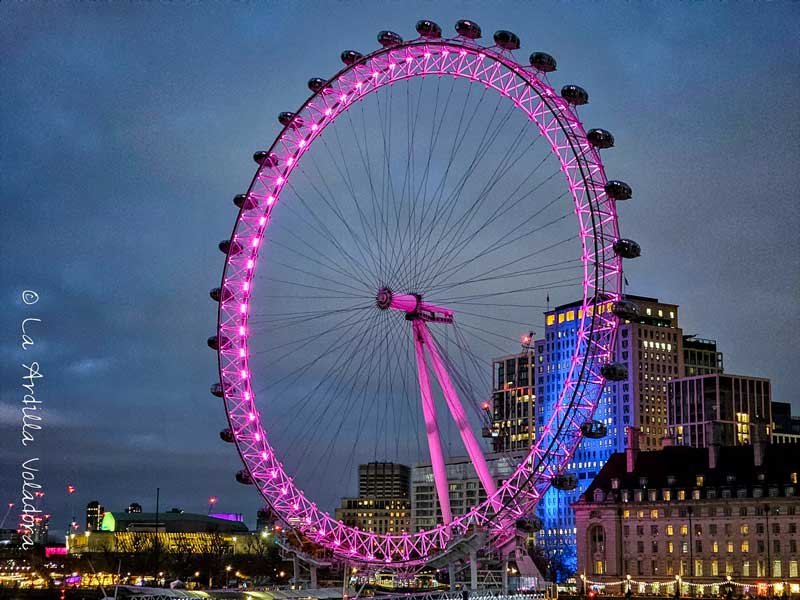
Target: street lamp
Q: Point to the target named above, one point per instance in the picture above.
(228, 576)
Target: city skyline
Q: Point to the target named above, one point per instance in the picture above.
(123, 283)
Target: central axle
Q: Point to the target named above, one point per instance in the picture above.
(413, 306)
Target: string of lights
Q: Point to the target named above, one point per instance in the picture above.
(678, 580)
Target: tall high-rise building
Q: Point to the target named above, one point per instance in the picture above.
(700, 357)
(721, 409)
(651, 346)
(383, 480)
(513, 401)
(94, 515)
(383, 504)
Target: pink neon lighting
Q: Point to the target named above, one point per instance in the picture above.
(597, 332)
(432, 426)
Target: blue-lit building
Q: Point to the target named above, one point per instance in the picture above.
(652, 349)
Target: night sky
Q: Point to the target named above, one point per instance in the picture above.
(125, 130)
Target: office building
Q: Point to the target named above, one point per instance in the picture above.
(723, 408)
(377, 515)
(465, 489)
(383, 480)
(700, 514)
(651, 346)
(94, 515)
(383, 504)
(513, 407)
(700, 357)
(785, 426)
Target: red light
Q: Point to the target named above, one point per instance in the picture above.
(212, 500)
(485, 406)
(70, 489)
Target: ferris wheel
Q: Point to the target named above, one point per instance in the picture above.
(414, 215)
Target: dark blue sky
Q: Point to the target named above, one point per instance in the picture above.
(125, 129)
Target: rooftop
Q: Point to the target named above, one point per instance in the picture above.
(170, 521)
(679, 467)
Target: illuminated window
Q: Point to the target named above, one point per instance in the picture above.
(729, 547)
(670, 530)
(551, 319)
(699, 481)
(560, 317)
(649, 312)
(570, 315)
(745, 547)
(744, 529)
(684, 530)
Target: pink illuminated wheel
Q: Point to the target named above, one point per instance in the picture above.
(412, 218)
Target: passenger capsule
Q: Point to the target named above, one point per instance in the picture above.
(625, 310)
(627, 248)
(594, 430)
(600, 138)
(614, 371)
(315, 84)
(230, 248)
(266, 159)
(215, 342)
(216, 390)
(429, 30)
(245, 202)
(387, 39)
(468, 29)
(289, 119)
(244, 477)
(506, 40)
(218, 294)
(575, 95)
(542, 61)
(226, 435)
(618, 190)
(566, 482)
(351, 57)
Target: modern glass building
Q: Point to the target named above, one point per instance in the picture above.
(651, 347)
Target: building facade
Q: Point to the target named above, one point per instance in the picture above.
(94, 515)
(651, 346)
(464, 487)
(700, 514)
(377, 515)
(785, 426)
(383, 504)
(513, 407)
(721, 408)
(383, 480)
(700, 357)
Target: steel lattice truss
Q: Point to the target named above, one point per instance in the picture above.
(558, 123)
